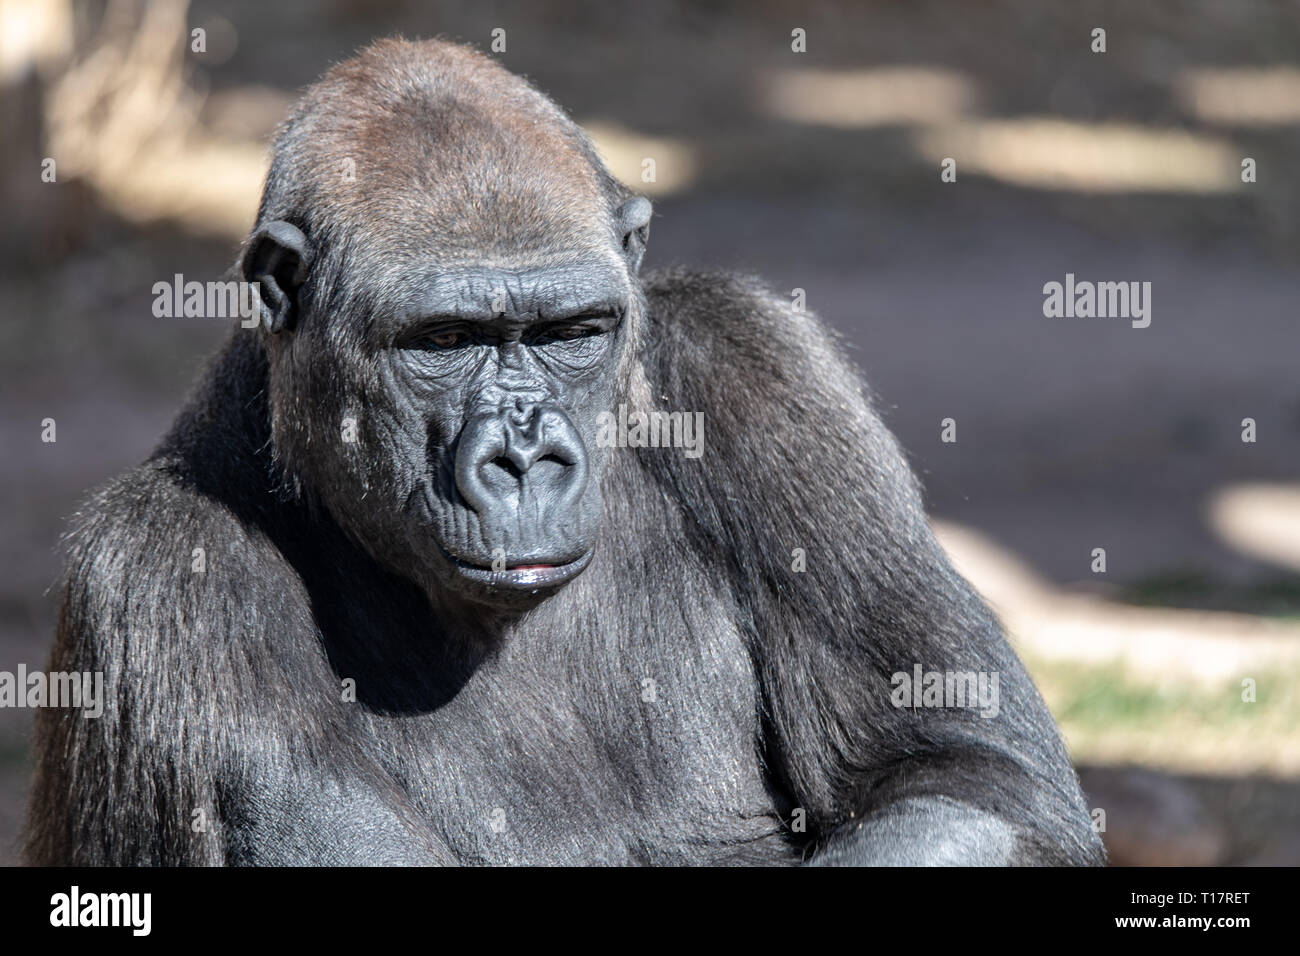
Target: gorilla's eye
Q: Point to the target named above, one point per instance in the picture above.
(570, 331)
(437, 339)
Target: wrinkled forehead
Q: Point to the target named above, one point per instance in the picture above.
(454, 183)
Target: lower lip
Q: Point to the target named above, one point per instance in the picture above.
(533, 577)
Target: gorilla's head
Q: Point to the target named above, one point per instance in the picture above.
(450, 301)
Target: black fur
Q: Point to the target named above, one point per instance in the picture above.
(529, 736)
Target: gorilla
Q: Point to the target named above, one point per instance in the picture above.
(389, 593)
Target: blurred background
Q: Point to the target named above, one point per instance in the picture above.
(819, 170)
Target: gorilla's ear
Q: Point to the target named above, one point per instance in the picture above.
(277, 258)
(634, 229)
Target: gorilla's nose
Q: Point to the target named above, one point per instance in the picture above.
(521, 412)
(524, 458)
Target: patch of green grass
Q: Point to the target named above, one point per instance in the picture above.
(1108, 696)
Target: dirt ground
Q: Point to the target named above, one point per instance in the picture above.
(1072, 434)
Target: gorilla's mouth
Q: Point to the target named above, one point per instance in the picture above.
(523, 577)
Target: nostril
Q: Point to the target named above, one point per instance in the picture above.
(547, 465)
(508, 466)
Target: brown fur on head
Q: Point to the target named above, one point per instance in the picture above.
(420, 151)
(443, 141)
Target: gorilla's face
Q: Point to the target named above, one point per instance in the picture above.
(503, 375)
(448, 416)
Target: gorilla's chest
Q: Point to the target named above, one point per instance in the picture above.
(613, 748)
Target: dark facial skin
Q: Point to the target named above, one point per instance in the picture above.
(477, 390)
(509, 370)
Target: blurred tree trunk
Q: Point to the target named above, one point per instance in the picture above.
(45, 219)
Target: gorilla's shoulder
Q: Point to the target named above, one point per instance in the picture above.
(711, 297)
(735, 308)
(734, 330)
(150, 538)
(695, 284)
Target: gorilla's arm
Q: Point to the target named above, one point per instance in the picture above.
(795, 458)
(222, 738)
